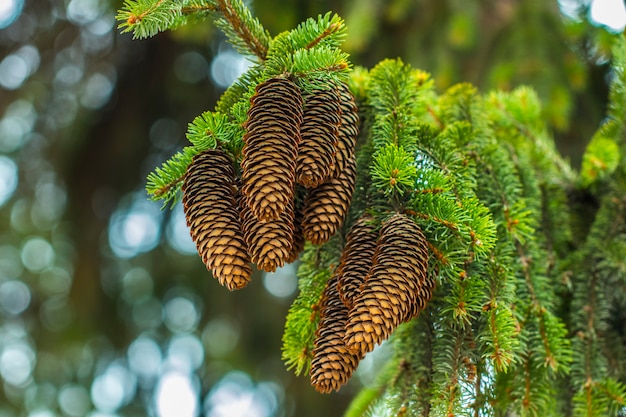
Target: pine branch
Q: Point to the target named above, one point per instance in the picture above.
(244, 32)
(146, 18)
(165, 182)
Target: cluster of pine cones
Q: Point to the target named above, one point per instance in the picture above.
(382, 281)
(291, 138)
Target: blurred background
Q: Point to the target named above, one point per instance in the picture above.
(105, 308)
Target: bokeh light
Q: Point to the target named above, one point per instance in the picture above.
(74, 400)
(176, 395)
(113, 388)
(9, 11)
(227, 66)
(144, 357)
(97, 91)
(37, 254)
(82, 12)
(283, 283)
(611, 13)
(180, 315)
(135, 229)
(177, 233)
(8, 179)
(14, 297)
(185, 352)
(17, 361)
(16, 125)
(237, 396)
(18, 66)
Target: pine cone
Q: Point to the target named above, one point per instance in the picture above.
(211, 210)
(271, 146)
(333, 363)
(391, 293)
(269, 243)
(320, 128)
(326, 206)
(348, 129)
(356, 259)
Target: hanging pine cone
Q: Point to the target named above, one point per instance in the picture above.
(326, 206)
(271, 146)
(391, 290)
(211, 210)
(269, 243)
(320, 128)
(333, 363)
(348, 129)
(356, 259)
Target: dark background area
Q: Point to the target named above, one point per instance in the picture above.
(105, 308)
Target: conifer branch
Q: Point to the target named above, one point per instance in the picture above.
(244, 32)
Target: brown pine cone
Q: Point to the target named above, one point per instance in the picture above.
(320, 128)
(348, 129)
(326, 206)
(356, 259)
(391, 293)
(333, 363)
(211, 211)
(271, 146)
(269, 243)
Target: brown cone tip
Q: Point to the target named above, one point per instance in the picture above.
(212, 215)
(271, 146)
(320, 129)
(356, 259)
(326, 206)
(391, 292)
(333, 363)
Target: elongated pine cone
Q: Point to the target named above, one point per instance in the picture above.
(333, 363)
(269, 243)
(348, 129)
(356, 259)
(211, 210)
(320, 128)
(271, 145)
(393, 289)
(326, 206)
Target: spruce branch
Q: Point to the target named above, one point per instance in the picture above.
(243, 31)
(146, 18)
(165, 182)
(328, 30)
(393, 170)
